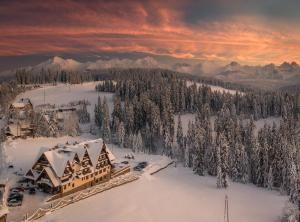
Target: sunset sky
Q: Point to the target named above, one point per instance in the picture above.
(247, 31)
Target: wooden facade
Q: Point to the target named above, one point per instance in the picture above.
(72, 167)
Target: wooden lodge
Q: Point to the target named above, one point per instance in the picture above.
(67, 168)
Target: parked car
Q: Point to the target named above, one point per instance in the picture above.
(14, 203)
(12, 195)
(129, 156)
(15, 196)
(137, 168)
(125, 162)
(140, 166)
(32, 190)
(17, 189)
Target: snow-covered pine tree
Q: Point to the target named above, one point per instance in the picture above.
(241, 163)
(120, 134)
(199, 149)
(294, 183)
(180, 139)
(218, 166)
(137, 142)
(105, 122)
(223, 162)
(98, 113)
(117, 114)
(83, 114)
(270, 179)
(190, 143)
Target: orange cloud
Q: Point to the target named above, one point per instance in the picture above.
(152, 27)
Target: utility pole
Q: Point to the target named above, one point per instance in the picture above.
(226, 210)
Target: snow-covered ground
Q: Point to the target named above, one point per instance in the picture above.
(214, 88)
(22, 153)
(174, 194)
(64, 93)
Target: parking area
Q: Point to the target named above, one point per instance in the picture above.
(135, 163)
(22, 197)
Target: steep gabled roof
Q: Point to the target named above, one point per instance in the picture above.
(58, 160)
(21, 103)
(32, 174)
(94, 149)
(52, 177)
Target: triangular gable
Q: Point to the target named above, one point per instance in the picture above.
(86, 155)
(29, 173)
(65, 170)
(58, 160)
(104, 150)
(40, 159)
(76, 159)
(49, 174)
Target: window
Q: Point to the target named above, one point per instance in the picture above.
(104, 170)
(96, 173)
(87, 177)
(100, 171)
(65, 187)
(73, 185)
(82, 178)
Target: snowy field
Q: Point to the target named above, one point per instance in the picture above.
(152, 197)
(63, 94)
(214, 88)
(174, 194)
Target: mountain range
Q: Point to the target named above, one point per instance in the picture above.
(268, 76)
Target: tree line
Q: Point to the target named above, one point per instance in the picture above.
(222, 140)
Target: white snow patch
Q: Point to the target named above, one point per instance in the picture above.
(65, 93)
(174, 194)
(215, 88)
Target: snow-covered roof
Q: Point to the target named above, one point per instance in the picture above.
(18, 105)
(21, 103)
(52, 176)
(111, 156)
(60, 156)
(34, 174)
(58, 159)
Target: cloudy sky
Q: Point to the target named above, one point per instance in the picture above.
(247, 31)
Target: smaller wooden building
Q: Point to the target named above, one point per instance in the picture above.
(20, 119)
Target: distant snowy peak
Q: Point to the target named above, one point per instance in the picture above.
(57, 64)
(147, 62)
(271, 71)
